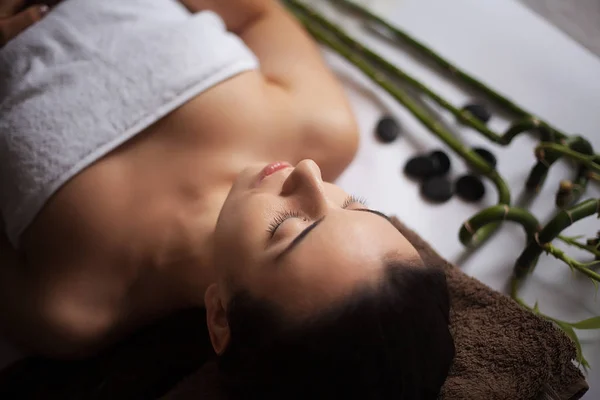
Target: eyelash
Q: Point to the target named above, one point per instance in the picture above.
(285, 215)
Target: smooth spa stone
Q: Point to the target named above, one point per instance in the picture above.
(479, 111)
(470, 188)
(388, 129)
(441, 162)
(437, 189)
(420, 167)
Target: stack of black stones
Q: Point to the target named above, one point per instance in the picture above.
(432, 170)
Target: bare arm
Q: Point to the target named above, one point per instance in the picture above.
(14, 19)
(43, 308)
(293, 70)
(31, 315)
(20, 315)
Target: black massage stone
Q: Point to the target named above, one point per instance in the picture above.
(470, 188)
(437, 189)
(420, 167)
(479, 111)
(441, 162)
(388, 129)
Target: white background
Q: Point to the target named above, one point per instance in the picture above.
(522, 56)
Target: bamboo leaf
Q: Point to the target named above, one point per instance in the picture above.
(592, 264)
(573, 237)
(591, 323)
(571, 333)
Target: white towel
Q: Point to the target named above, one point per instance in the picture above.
(91, 75)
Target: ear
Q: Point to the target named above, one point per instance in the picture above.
(216, 319)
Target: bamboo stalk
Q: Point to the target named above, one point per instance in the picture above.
(582, 246)
(495, 214)
(539, 172)
(565, 218)
(580, 183)
(441, 62)
(478, 163)
(570, 192)
(524, 125)
(546, 158)
(592, 175)
(574, 264)
(583, 159)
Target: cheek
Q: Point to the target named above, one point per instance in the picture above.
(241, 229)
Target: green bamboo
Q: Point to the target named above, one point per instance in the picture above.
(592, 176)
(572, 242)
(444, 64)
(565, 198)
(574, 264)
(583, 159)
(527, 124)
(524, 125)
(498, 213)
(478, 163)
(565, 218)
(546, 158)
(539, 172)
(569, 192)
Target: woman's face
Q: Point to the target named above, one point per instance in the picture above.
(285, 235)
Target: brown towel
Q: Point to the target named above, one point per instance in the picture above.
(503, 352)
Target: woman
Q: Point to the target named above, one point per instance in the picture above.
(140, 174)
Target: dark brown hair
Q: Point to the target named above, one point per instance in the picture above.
(387, 341)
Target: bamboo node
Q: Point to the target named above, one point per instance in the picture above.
(565, 186)
(506, 211)
(468, 227)
(536, 236)
(570, 216)
(540, 154)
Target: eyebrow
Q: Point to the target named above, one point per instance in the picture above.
(298, 239)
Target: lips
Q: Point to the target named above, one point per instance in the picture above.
(272, 168)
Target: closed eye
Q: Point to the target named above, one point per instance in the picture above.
(354, 200)
(280, 218)
(312, 226)
(283, 216)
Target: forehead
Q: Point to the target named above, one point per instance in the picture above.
(348, 249)
(354, 235)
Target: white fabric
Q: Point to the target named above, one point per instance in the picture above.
(91, 75)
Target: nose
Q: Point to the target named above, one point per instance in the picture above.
(305, 184)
